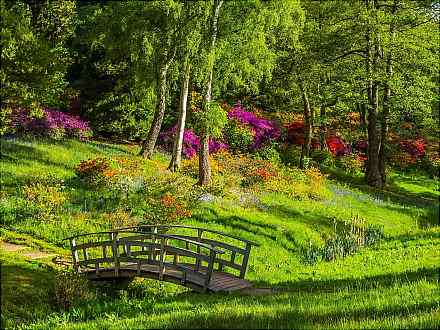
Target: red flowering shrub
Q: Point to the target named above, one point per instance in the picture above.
(415, 148)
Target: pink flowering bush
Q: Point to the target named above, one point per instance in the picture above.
(191, 142)
(264, 130)
(51, 123)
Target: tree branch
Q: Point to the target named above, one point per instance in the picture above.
(359, 52)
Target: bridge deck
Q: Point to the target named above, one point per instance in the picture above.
(220, 281)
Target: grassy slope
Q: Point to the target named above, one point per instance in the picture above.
(389, 285)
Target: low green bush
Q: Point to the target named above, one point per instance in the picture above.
(71, 289)
(238, 136)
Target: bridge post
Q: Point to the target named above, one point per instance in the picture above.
(115, 250)
(245, 260)
(199, 239)
(209, 271)
(154, 243)
(162, 256)
(75, 258)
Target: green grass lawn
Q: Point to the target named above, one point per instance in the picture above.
(392, 284)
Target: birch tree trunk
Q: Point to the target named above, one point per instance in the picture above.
(204, 166)
(178, 141)
(149, 144)
(305, 151)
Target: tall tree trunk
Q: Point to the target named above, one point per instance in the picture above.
(372, 174)
(178, 140)
(204, 166)
(386, 104)
(149, 144)
(305, 151)
(322, 128)
(362, 116)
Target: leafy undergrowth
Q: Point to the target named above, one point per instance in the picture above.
(390, 284)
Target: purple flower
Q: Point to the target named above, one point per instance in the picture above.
(52, 121)
(191, 142)
(264, 130)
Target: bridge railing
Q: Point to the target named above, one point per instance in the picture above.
(237, 249)
(120, 250)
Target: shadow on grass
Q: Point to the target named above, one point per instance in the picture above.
(259, 230)
(370, 282)
(27, 292)
(392, 193)
(301, 307)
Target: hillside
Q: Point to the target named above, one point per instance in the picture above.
(391, 283)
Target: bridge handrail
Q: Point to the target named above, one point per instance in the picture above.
(207, 246)
(197, 228)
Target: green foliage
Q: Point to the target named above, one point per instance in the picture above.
(35, 57)
(71, 289)
(269, 152)
(238, 136)
(43, 202)
(290, 154)
(323, 157)
(210, 120)
(352, 164)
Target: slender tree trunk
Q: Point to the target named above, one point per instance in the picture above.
(386, 105)
(178, 141)
(322, 128)
(305, 151)
(204, 166)
(372, 174)
(149, 144)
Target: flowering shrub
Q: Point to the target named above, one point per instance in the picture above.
(94, 170)
(51, 123)
(295, 135)
(338, 147)
(298, 184)
(43, 202)
(415, 148)
(118, 173)
(166, 209)
(120, 218)
(353, 164)
(191, 142)
(259, 175)
(263, 129)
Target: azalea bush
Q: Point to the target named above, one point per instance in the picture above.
(191, 142)
(264, 130)
(119, 174)
(167, 209)
(48, 122)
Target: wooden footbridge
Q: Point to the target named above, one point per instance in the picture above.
(198, 258)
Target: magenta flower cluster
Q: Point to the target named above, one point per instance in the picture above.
(191, 142)
(53, 122)
(263, 129)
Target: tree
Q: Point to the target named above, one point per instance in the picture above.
(204, 166)
(35, 55)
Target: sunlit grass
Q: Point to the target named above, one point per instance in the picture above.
(389, 285)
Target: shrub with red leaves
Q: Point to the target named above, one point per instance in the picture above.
(415, 148)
